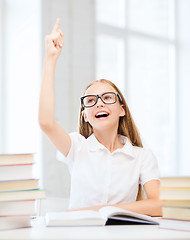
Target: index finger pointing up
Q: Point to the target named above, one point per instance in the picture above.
(56, 26)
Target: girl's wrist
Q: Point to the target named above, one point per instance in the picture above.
(50, 60)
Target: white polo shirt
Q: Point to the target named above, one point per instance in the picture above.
(99, 177)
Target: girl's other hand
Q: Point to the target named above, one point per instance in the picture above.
(54, 41)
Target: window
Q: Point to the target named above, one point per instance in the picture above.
(136, 49)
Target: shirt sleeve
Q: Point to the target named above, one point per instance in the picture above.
(76, 141)
(149, 167)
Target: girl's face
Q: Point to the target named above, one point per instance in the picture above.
(101, 115)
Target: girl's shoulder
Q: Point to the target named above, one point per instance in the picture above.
(145, 154)
(76, 137)
(78, 140)
(139, 152)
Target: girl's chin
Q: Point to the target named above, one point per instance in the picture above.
(105, 125)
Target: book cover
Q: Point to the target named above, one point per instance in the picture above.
(26, 184)
(12, 208)
(175, 193)
(14, 159)
(22, 195)
(174, 224)
(15, 222)
(180, 213)
(16, 172)
(177, 203)
(175, 182)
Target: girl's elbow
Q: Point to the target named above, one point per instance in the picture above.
(158, 211)
(45, 125)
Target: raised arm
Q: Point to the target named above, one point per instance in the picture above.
(59, 137)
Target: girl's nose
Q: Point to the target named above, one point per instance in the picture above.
(99, 103)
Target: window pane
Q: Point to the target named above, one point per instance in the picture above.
(149, 97)
(111, 12)
(110, 59)
(150, 16)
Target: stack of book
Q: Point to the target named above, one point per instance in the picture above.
(175, 192)
(19, 191)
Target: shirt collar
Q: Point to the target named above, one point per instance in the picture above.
(95, 145)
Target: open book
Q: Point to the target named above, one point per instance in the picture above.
(105, 216)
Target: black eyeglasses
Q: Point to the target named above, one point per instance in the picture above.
(107, 98)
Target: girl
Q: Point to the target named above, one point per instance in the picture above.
(106, 158)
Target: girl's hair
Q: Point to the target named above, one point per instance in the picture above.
(126, 124)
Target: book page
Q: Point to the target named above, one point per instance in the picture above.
(83, 218)
(86, 214)
(116, 212)
(109, 211)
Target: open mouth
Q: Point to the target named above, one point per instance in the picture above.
(102, 115)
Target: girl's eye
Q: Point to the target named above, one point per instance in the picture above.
(107, 97)
(90, 100)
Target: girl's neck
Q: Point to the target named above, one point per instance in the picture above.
(109, 139)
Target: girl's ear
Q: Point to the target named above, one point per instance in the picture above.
(122, 112)
(84, 116)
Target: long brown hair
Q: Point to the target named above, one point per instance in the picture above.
(126, 124)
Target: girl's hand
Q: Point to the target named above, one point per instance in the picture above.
(54, 42)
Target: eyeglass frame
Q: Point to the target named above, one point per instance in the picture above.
(99, 96)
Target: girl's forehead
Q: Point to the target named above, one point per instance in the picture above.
(99, 88)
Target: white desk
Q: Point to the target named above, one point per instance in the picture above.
(145, 232)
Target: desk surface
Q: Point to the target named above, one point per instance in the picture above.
(40, 231)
